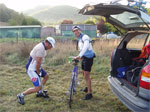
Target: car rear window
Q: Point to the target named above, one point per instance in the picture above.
(127, 18)
(137, 42)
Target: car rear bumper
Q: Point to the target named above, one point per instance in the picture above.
(127, 97)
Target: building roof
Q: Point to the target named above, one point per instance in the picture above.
(27, 26)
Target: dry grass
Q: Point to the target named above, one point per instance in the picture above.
(12, 51)
(14, 80)
(105, 47)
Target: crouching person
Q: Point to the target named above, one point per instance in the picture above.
(34, 69)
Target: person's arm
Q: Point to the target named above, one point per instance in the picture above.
(85, 47)
(38, 64)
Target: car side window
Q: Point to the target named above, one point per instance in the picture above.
(137, 42)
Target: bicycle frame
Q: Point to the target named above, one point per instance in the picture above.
(73, 81)
(138, 4)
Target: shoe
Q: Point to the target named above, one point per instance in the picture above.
(45, 95)
(39, 94)
(20, 99)
(84, 90)
(42, 94)
(88, 96)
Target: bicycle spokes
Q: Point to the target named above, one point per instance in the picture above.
(71, 92)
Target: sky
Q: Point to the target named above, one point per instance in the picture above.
(22, 5)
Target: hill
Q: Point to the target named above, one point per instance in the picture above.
(6, 13)
(13, 18)
(56, 14)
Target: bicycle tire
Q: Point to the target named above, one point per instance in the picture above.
(71, 91)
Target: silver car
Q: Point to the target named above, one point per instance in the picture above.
(133, 87)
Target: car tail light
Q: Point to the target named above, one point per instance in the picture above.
(145, 77)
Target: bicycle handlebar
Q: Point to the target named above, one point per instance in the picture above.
(71, 59)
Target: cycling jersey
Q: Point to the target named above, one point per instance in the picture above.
(38, 51)
(85, 46)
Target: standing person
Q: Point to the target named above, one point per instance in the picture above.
(34, 69)
(86, 54)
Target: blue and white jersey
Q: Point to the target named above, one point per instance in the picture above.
(85, 46)
(38, 51)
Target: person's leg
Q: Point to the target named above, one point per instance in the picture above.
(88, 81)
(87, 68)
(32, 90)
(83, 72)
(37, 86)
(85, 89)
(20, 96)
(42, 92)
(45, 78)
(88, 96)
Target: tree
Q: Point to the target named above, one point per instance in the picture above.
(89, 22)
(148, 11)
(67, 22)
(100, 26)
(92, 20)
(14, 18)
(104, 27)
(32, 21)
(4, 13)
(24, 22)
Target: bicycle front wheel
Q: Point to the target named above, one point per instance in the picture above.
(71, 91)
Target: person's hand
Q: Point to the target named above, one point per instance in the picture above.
(77, 57)
(39, 73)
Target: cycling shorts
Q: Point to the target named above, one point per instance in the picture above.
(31, 71)
(87, 63)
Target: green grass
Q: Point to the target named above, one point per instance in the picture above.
(14, 80)
(15, 40)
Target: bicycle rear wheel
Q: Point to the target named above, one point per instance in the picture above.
(71, 91)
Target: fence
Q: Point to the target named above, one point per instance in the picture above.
(20, 31)
(66, 30)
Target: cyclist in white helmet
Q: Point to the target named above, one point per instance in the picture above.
(86, 54)
(34, 68)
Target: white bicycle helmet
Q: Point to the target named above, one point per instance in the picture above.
(51, 40)
(76, 28)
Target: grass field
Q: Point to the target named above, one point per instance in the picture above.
(13, 79)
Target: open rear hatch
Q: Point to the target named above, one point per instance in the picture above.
(122, 16)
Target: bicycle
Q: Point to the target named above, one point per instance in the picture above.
(73, 80)
(138, 4)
